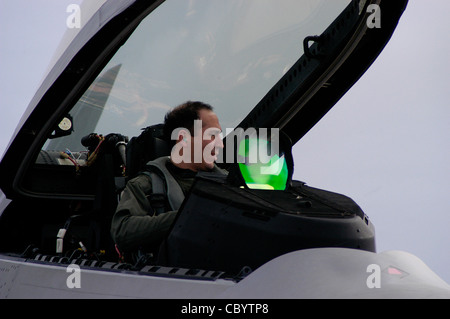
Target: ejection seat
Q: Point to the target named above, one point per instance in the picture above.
(117, 161)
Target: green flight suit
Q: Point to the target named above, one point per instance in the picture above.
(134, 225)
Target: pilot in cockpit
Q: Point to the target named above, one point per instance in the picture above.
(150, 201)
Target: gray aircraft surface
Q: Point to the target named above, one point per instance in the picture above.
(257, 233)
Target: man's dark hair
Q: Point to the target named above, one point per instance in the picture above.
(183, 116)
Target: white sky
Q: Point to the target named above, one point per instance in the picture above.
(385, 144)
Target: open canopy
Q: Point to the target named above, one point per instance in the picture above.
(259, 63)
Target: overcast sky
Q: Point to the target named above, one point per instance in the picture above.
(385, 144)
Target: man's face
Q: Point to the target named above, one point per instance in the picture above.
(209, 141)
(199, 152)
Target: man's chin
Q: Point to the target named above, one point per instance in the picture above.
(207, 166)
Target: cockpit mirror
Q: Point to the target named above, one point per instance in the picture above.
(64, 127)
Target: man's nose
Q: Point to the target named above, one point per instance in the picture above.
(218, 143)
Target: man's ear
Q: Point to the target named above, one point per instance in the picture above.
(181, 151)
(183, 136)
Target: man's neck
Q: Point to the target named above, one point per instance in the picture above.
(182, 165)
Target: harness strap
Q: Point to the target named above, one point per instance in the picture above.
(164, 186)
